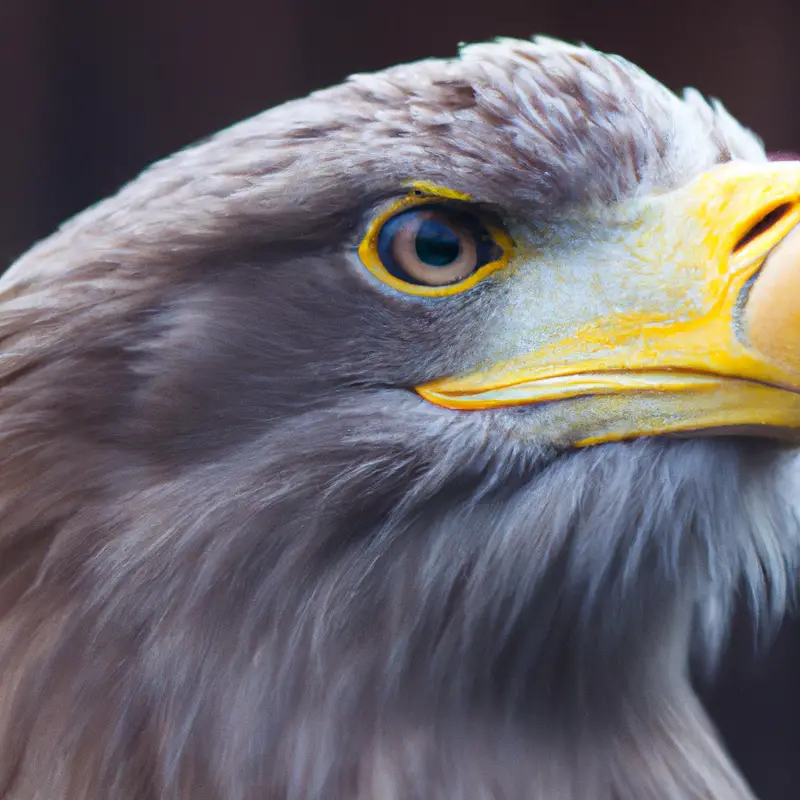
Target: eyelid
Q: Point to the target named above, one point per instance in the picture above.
(370, 258)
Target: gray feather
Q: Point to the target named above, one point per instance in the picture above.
(240, 559)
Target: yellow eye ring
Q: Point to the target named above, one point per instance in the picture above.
(423, 244)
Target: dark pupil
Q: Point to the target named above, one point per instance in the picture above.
(437, 245)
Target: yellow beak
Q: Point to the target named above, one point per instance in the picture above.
(717, 345)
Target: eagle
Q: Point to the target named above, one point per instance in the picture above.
(408, 440)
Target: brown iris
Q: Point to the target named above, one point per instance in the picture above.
(433, 249)
(434, 246)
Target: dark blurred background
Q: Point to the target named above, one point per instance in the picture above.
(91, 91)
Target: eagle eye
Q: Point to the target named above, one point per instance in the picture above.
(432, 248)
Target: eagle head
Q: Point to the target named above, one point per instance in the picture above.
(403, 441)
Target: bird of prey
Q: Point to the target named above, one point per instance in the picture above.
(405, 441)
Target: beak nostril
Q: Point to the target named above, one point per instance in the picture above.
(763, 225)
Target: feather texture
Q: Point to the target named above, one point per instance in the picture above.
(239, 559)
